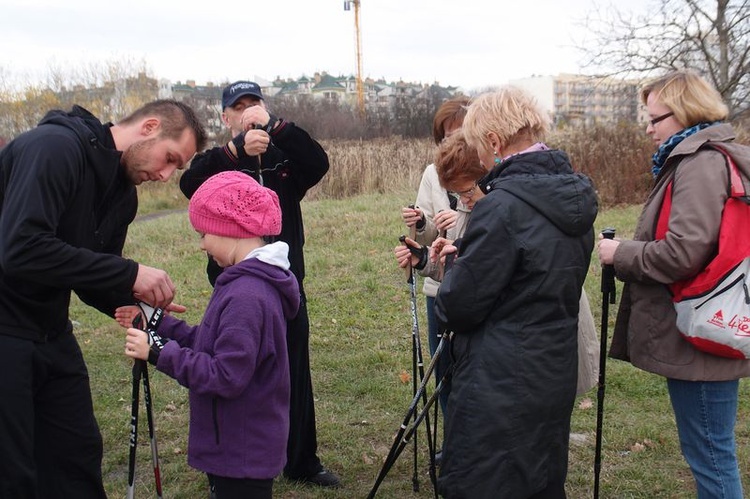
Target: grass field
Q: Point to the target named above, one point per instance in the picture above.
(361, 360)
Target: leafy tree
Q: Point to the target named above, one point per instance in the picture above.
(709, 36)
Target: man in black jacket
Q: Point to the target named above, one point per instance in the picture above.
(67, 196)
(284, 158)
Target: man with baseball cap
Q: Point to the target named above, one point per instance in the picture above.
(235, 91)
(283, 157)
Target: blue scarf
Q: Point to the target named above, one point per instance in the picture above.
(661, 154)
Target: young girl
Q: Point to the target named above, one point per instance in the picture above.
(235, 362)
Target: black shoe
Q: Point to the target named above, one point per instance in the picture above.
(438, 458)
(322, 478)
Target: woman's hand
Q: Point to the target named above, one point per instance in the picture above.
(441, 247)
(606, 249)
(411, 216)
(445, 219)
(403, 254)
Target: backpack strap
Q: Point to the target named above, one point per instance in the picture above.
(736, 187)
(736, 190)
(452, 201)
(662, 223)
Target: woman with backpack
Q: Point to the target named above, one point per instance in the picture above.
(685, 113)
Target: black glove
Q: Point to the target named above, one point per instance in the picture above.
(239, 144)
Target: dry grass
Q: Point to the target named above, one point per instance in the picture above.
(374, 166)
(616, 158)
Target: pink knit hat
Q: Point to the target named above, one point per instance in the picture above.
(233, 204)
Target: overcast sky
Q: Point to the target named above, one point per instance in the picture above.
(466, 43)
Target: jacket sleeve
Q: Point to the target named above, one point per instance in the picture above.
(107, 301)
(308, 161)
(178, 330)
(431, 198)
(431, 270)
(47, 173)
(229, 367)
(698, 196)
(486, 261)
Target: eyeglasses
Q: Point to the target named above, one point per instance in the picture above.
(464, 194)
(663, 117)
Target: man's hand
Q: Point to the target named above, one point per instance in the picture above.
(255, 115)
(256, 142)
(154, 287)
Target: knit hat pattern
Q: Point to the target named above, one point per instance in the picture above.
(233, 204)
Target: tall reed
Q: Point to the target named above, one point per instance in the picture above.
(617, 158)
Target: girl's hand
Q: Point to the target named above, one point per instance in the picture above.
(126, 315)
(136, 344)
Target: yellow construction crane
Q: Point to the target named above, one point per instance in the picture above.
(360, 85)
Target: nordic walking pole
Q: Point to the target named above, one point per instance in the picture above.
(411, 412)
(414, 346)
(151, 432)
(133, 428)
(140, 371)
(418, 367)
(608, 296)
(155, 317)
(406, 432)
(419, 417)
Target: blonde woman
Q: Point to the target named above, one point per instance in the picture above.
(512, 300)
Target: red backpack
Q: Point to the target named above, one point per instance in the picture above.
(713, 307)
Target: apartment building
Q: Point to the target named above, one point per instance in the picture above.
(585, 100)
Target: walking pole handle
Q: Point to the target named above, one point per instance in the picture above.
(408, 271)
(413, 228)
(608, 271)
(414, 251)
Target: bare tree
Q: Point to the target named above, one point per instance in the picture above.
(109, 91)
(709, 36)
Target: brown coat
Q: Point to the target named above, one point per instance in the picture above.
(645, 332)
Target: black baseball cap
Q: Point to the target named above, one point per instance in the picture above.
(238, 89)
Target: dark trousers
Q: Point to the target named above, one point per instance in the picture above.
(50, 441)
(302, 448)
(240, 488)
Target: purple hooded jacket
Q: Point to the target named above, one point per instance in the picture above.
(236, 367)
